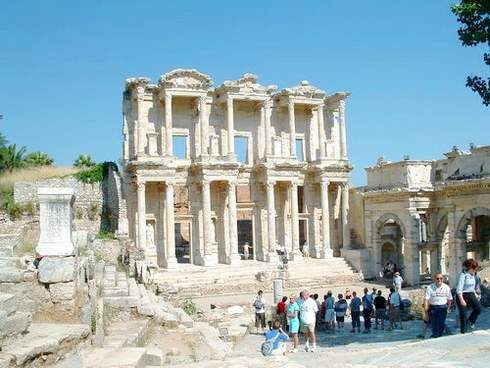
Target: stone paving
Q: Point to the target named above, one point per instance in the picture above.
(399, 348)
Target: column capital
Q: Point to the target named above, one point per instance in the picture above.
(325, 181)
(168, 95)
(270, 183)
(141, 185)
(290, 104)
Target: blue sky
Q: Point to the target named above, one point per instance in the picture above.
(63, 65)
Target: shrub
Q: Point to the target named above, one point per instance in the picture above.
(189, 306)
(91, 175)
(93, 212)
(29, 208)
(105, 235)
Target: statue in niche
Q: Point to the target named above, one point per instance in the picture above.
(150, 235)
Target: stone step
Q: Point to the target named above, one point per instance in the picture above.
(127, 334)
(13, 325)
(115, 291)
(122, 301)
(7, 303)
(45, 339)
(111, 357)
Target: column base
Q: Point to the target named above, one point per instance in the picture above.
(326, 253)
(209, 260)
(272, 257)
(295, 255)
(233, 260)
(170, 263)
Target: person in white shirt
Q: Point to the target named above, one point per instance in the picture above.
(259, 305)
(307, 314)
(397, 281)
(467, 295)
(438, 299)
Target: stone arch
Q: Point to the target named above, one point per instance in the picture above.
(390, 216)
(461, 245)
(466, 218)
(380, 241)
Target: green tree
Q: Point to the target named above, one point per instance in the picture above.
(38, 159)
(84, 161)
(3, 140)
(474, 16)
(11, 158)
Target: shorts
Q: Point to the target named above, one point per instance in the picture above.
(308, 327)
(294, 325)
(329, 315)
(340, 318)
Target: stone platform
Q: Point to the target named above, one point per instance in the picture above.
(249, 276)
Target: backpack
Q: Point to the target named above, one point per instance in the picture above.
(258, 304)
(268, 346)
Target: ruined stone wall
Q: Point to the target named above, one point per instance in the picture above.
(87, 208)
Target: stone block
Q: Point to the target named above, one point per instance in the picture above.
(115, 357)
(56, 269)
(166, 319)
(235, 309)
(11, 275)
(62, 291)
(7, 303)
(154, 357)
(184, 318)
(5, 360)
(14, 324)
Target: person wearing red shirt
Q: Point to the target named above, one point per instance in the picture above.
(281, 312)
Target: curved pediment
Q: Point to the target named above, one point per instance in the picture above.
(185, 78)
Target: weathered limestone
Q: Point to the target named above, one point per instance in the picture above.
(55, 222)
(424, 216)
(205, 144)
(56, 269)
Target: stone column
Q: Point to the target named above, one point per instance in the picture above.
(268, 129)
(209, 258)
(171, 261)
(204, 126)
(271, 223)
(141, 127)
(321, 130)
(292, 129)
(345, 217)
(141, 188)
(295, 252)
(168, 123)
(343, 139)
(326, 250)
(162, 226)
(232, 220)
(230, 127)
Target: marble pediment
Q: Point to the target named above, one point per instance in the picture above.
(305, 90)
(186, 79)
(247, 84)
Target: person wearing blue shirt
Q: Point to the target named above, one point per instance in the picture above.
(278, 338)
(355, 312)
(367, 310)
(467, 295)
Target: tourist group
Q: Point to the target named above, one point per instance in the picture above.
(307, 315)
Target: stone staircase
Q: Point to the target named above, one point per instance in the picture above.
(194, 281)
